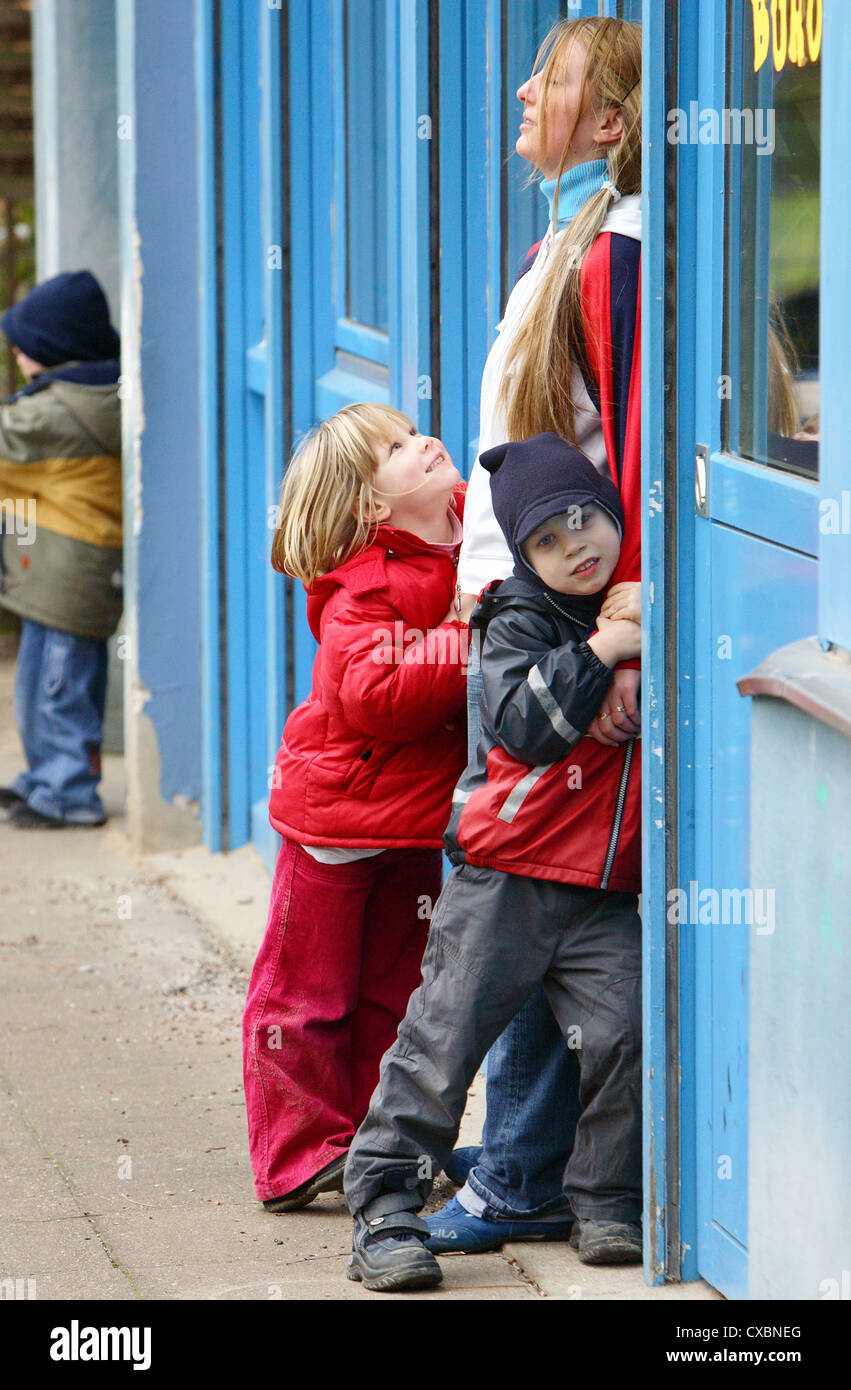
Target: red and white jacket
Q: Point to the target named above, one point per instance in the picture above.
(371, 757)
(541, 798)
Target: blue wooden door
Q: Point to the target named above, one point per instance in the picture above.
(748, 134)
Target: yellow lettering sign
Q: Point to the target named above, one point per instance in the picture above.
(761, 33)
(814, 17)
(791, 29)
(778, 34)
(797, 52)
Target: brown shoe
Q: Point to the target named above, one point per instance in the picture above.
(328, 1179)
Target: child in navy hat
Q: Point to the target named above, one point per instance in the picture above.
(545, 840)
(60, 547)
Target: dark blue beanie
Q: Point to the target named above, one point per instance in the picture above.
(64, 319)
(541, 477)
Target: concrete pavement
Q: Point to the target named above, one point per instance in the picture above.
(124, 1171)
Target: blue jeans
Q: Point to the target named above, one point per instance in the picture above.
(532, 1093)
(60, 693)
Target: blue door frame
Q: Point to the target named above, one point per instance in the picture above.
(765, 527)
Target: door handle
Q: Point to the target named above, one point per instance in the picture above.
(701, 479)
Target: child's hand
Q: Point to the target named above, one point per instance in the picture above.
(616, 639)
(623, 601)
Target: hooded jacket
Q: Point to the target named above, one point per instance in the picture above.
(371, 757)
(60, 465)
(541, 798)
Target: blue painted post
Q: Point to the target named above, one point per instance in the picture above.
(453, 261)
(407, 58)
(654, 711)
(243, 362)
(481, 226)
(700, 294)
(834, 351)
(274, 272)
(158, 231)
(211, 686)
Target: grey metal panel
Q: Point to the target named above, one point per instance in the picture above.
(800, 1009)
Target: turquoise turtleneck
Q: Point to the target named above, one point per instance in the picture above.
(576, 186)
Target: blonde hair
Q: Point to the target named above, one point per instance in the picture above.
(327, 510)
(536, 389)
(783, 417)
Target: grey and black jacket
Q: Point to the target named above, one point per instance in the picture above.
(540, 798)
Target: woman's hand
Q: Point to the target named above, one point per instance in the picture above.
(619, 716)
(623, 601)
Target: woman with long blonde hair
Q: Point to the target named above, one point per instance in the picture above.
(566, 359)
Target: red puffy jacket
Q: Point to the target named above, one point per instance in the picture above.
(371, 758)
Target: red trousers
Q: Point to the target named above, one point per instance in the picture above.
(341, 956)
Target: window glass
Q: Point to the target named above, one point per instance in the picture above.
(366, 162)
(771, 128)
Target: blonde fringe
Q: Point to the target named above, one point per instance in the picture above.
(327, 509)
(537, 394)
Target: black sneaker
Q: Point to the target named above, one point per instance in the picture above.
(328, 1179)
(8, 798)
(607, 1242)
(389, 1255)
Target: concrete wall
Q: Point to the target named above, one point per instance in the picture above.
(159, 328)
(76, 154)
(76, 180)
(800, 1012)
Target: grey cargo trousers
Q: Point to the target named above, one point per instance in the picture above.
(494, 938)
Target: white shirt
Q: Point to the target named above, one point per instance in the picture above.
(484, 553)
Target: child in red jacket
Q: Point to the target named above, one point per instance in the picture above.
(370, 521)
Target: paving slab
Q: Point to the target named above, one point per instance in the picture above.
(557, 1270)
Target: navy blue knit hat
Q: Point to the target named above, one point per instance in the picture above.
(541, 477)
(64, 319)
